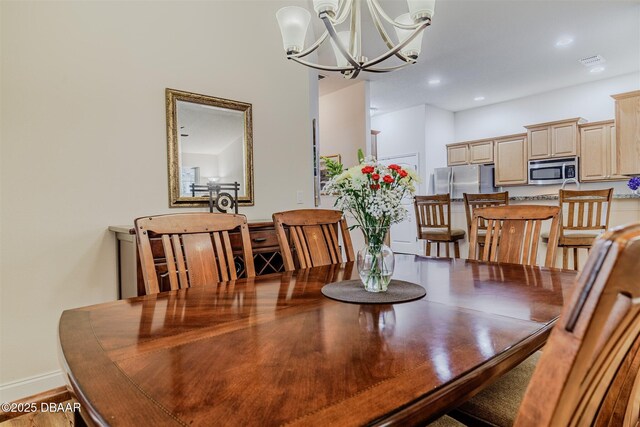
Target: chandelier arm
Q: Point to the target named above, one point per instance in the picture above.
(416, 32)
(322, 67)
(386, 17)
(383, 32)
(311, 48)
(388, 69)
(332, 33)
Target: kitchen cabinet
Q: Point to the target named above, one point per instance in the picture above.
(471, 152)
(481, 152)
(598, 152)
(510, 154)
(628, 132)
(554, 139)
(457, 154)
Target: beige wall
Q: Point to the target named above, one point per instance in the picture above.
(344, 127)
(84, 146)
(344, 116)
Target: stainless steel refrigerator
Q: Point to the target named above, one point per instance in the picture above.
(457, 180)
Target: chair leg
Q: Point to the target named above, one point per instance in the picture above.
(576, 259)
(447, 250)
(565, 258)
(427, 249)
(438, 249)
(456, 249)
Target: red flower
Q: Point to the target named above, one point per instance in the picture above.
(388, 179)
(394, 167)
(375, 186)
(375, 176)
(368, 169)
(403, 173)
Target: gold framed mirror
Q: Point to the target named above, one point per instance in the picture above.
(209, 140)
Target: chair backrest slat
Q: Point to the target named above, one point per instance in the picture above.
(432, 212)
(593, 209)
(482, 200)
(182, 268)
(513, 233)
(588, 373)
(193, 249)
(314, 235)
(171, 263)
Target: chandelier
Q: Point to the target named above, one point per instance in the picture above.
(347, 45)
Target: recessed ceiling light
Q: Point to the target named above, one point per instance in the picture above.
(598, 69)
(564, 41)
(479, 98)
(434, 82)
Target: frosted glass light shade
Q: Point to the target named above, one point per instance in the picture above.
(325, 6)
(293, 22)
(421, 9)
(412, 50)
(341, 61)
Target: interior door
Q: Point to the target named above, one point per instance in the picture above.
(404, 238)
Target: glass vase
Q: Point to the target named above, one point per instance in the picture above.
(375, 261)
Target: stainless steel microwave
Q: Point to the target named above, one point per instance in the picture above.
(552, 171)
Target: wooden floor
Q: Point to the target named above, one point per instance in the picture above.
(41, 419)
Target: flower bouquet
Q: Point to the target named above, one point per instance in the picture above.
(373, 193)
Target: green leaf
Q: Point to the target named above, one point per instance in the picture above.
(360, 155)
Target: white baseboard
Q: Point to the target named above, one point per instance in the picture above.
(12, 391)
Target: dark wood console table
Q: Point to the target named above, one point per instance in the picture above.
(264, 242)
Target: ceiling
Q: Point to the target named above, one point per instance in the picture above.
(503, 50)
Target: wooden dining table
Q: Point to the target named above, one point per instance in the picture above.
(273, 350)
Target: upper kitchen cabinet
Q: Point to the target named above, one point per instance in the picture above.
(554, 139)
(457, 154)
(471, 152)
(598, 152)
(628, 132)
(481, 152)
(510, 154)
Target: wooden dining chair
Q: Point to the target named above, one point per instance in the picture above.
(190, 249)
(475, 201)
(314, 236)
(513, 234)
(433, 221)
(589, 371)
(585, 215)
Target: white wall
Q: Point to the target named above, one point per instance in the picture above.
(208, 164)
(84, 143)
(423, 129)
(439, 131)
(591, 101)
(402, 132)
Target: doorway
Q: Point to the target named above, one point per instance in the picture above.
(404, 238)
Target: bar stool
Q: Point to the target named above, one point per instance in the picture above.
(585, 215)
(433, 220)
(475, 201)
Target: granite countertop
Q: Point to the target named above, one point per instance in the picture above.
(555, 197)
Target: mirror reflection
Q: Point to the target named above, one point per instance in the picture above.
(209, 142)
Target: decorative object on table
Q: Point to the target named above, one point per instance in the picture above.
(329, 166)
(634, 184)
(347, 43)
(373, 193)
(351, 291)
(219, 198)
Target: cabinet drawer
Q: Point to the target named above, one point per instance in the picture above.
(260, 240)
